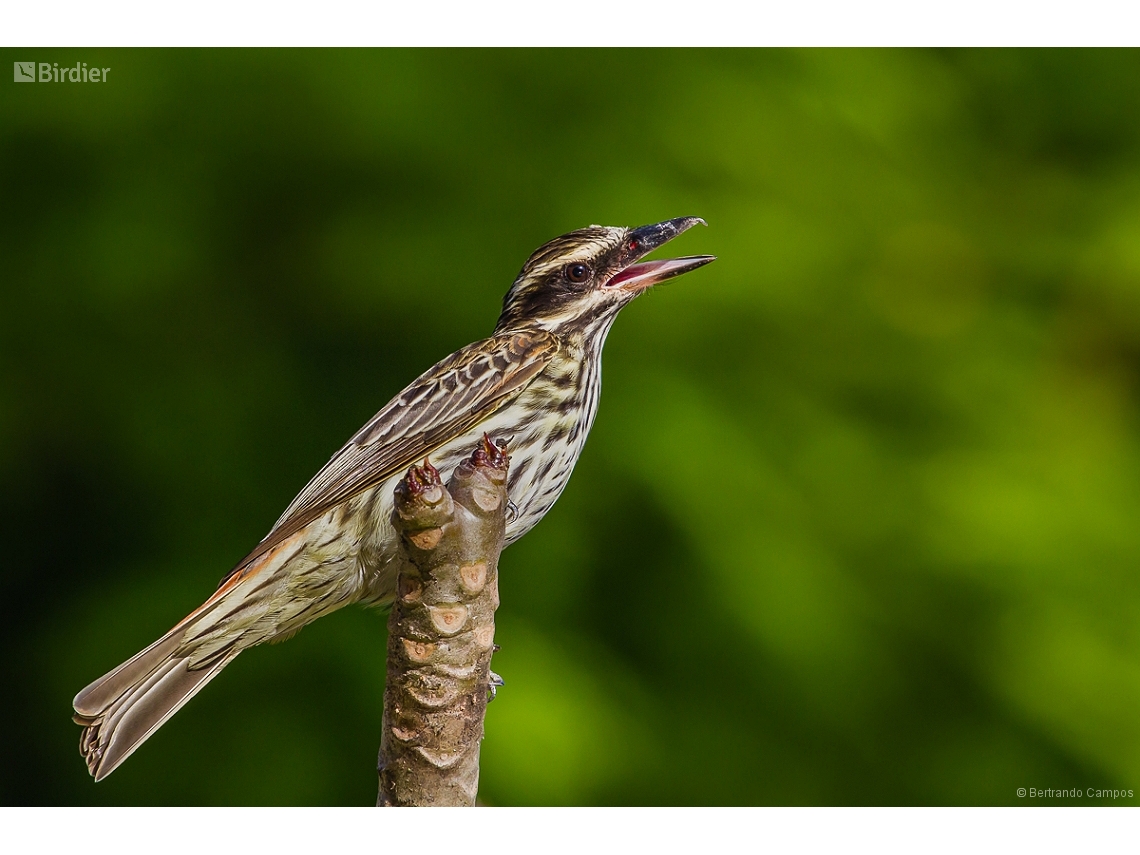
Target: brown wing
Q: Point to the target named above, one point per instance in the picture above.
(450, 398)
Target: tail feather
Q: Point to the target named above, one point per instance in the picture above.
(124, 707)
(100, 694)
(253, 604)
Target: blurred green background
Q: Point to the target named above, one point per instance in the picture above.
(857, 522)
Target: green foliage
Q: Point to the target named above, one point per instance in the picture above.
(857, 523)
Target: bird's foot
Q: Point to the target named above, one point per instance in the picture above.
(493, 685)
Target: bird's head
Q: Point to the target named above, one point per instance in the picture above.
(579, 281)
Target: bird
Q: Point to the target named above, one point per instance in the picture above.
(533, 386)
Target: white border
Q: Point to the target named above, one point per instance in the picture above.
(570, 23)
(552, 831)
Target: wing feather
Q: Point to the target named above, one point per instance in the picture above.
(450, 398)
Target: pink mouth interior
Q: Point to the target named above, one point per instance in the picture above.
(648, 272)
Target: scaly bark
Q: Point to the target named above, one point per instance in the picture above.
(441, 631)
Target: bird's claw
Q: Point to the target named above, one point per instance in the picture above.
(493, 685)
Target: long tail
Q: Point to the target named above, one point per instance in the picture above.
(268, 597)
(125, 706)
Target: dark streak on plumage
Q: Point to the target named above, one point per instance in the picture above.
(517, 472)
(556, 435)
(337, 535)
(545, 470)
(370, 502)
(208, 660)
(564, 381)
(267, 582)
(567, 405)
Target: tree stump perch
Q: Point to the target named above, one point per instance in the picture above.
(441, 631)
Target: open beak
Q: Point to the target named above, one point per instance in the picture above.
(642, 241)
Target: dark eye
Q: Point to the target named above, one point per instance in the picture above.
(578, 273)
